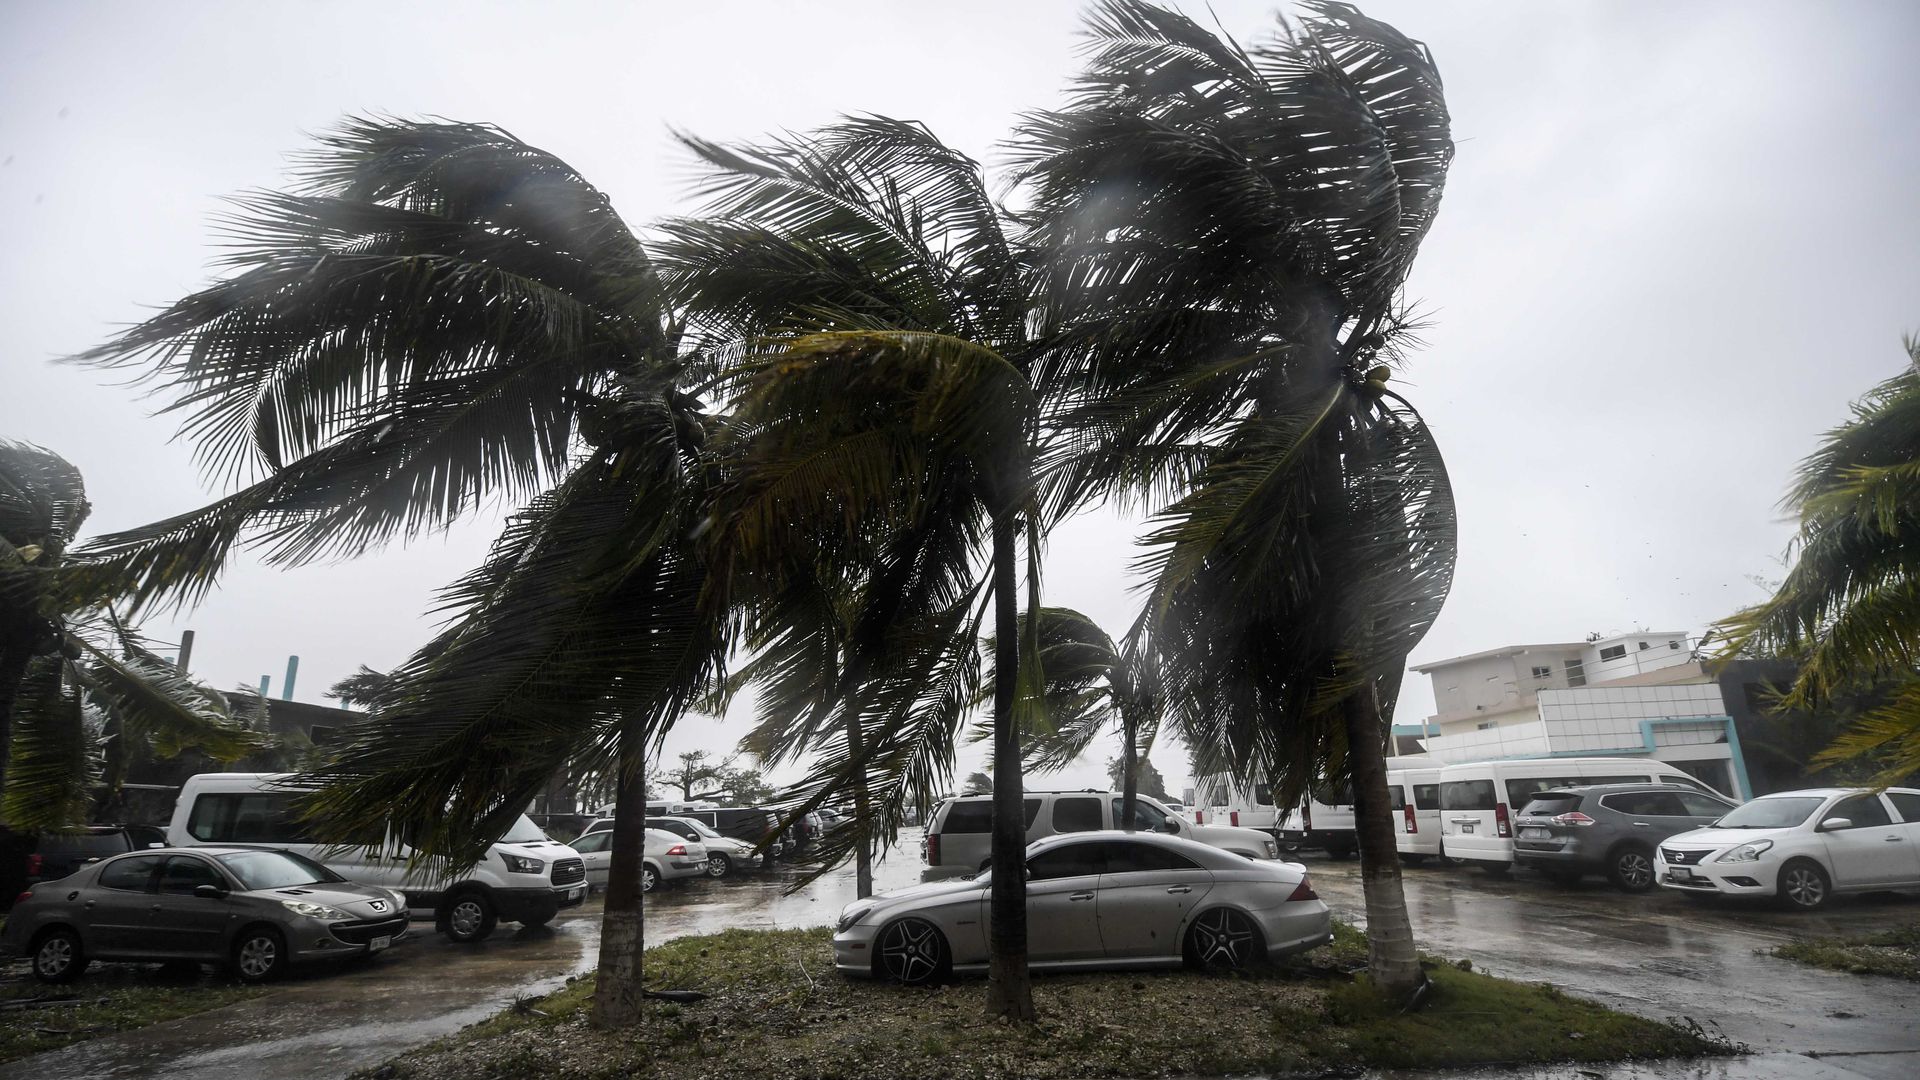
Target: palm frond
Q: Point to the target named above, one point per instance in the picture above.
(54, 753)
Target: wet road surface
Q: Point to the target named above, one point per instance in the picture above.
(1659, 955)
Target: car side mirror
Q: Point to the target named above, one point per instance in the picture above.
(1834, 823)
(1172, 826)
(209, 892)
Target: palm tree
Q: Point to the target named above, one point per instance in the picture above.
(1849, 609)
(885, 428)
(1228, 231)
(79, 688)
(437, 316)
(1089, 683)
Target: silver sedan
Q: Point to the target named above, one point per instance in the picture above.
(253, 909)
(1095, 899)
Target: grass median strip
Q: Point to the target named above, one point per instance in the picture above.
(777, 1009)
(1894, 953)
(109, 998)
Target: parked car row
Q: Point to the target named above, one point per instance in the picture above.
(959, 831)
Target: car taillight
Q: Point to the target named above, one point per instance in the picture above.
(1500, 823)
(1196, 818)
(933, 849)
(1233, 818)
(34, 863)
(1571, 817)
(1304, 891)
(23, 897)
(1413, 826)
(677, 849)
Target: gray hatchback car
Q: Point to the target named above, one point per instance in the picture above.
(1608, 829)
(254, 909)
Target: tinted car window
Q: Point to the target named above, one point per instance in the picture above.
(1865, 811)
(1645, 804)
(1907, 804)
(1145, 816)
(1078, 814)
(1329, 795)
(1519, 791)
(1396, 796)
(1124, 856)
(246, 818)
(1705, 806)
(1466, 795)
(1551, 804)
(594, 841)
(677, 828)
(1073, 860)
(1263, 794)
(131, 874)
(1426, 796)
(183, 872)
(86, 845)
(974, 816)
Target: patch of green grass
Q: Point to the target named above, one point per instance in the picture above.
(1894, 953)
(777, 1009)
(109, 998)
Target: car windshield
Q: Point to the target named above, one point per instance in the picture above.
(276, 870)
(701, 827)
(1771, 813)
(523, 831)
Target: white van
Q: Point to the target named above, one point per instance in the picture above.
(960, 832)
(1221, 801)
(525, 877)
(1325, 817)
(1416, 799)
(1478, 799)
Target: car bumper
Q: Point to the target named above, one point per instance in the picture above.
(1315, 838)
(853, 950)
(682, 869)
(1494, 849)
(1708, 878)
(537, 905)
(1420, 843)
(1295, 926)
(1554, 858)
(316, 940)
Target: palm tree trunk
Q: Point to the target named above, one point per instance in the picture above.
(1130, 785)
(1391, 960)
(1009, 986)
(617, 992)
(862, 808)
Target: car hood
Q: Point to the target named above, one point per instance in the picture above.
(924, 892)
(356, 900)
(1701, 838)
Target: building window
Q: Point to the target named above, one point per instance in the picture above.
(1485, 724)
(1673, 645)
(1612, 652)
(1643, 646)
(1543, 672)
(1576, 673)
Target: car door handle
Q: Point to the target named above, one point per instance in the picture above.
(1643, 824)
(155, 907)
(1891, 839)
(88, 905)
(1180, 889)
(1081, 896)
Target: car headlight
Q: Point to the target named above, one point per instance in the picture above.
(313, 911)
(520, 864)
(1746, 852)
(850, 916)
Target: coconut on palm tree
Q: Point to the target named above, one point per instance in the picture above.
(1228, 230)
(441, 315)
(79, 687)
(1849, 609)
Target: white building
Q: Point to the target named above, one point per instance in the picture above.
(1641, 693)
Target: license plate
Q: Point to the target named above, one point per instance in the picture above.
(576, 892)
(379, 943)
(1534, 834)
(1468, 827)
(1679, 873)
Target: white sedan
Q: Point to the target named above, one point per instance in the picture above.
(1801, 847)
(1095, 899)
(665, 858)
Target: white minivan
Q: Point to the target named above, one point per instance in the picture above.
(524, 878)
(1324, 818)
(1478, 799)
(1416, 801)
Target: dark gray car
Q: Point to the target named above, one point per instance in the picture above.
(1608, 829)
(257, 910)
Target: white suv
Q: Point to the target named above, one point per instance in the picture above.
(1801, 847)
(960, 833)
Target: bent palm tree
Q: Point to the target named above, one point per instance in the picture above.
(1089, 683)
(78, 687)
(441, 315)
(1849, 610)
(885, 428)
(1229, 229)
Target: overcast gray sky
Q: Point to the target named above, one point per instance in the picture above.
(1677, 240)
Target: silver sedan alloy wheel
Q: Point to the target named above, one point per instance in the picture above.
(1223, 937)
(718, 865)
(1803, 886)
(648, 879)
(911, 951)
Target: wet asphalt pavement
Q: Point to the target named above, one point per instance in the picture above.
(1659, 955)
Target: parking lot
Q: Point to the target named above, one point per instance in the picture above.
(1658, 955)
